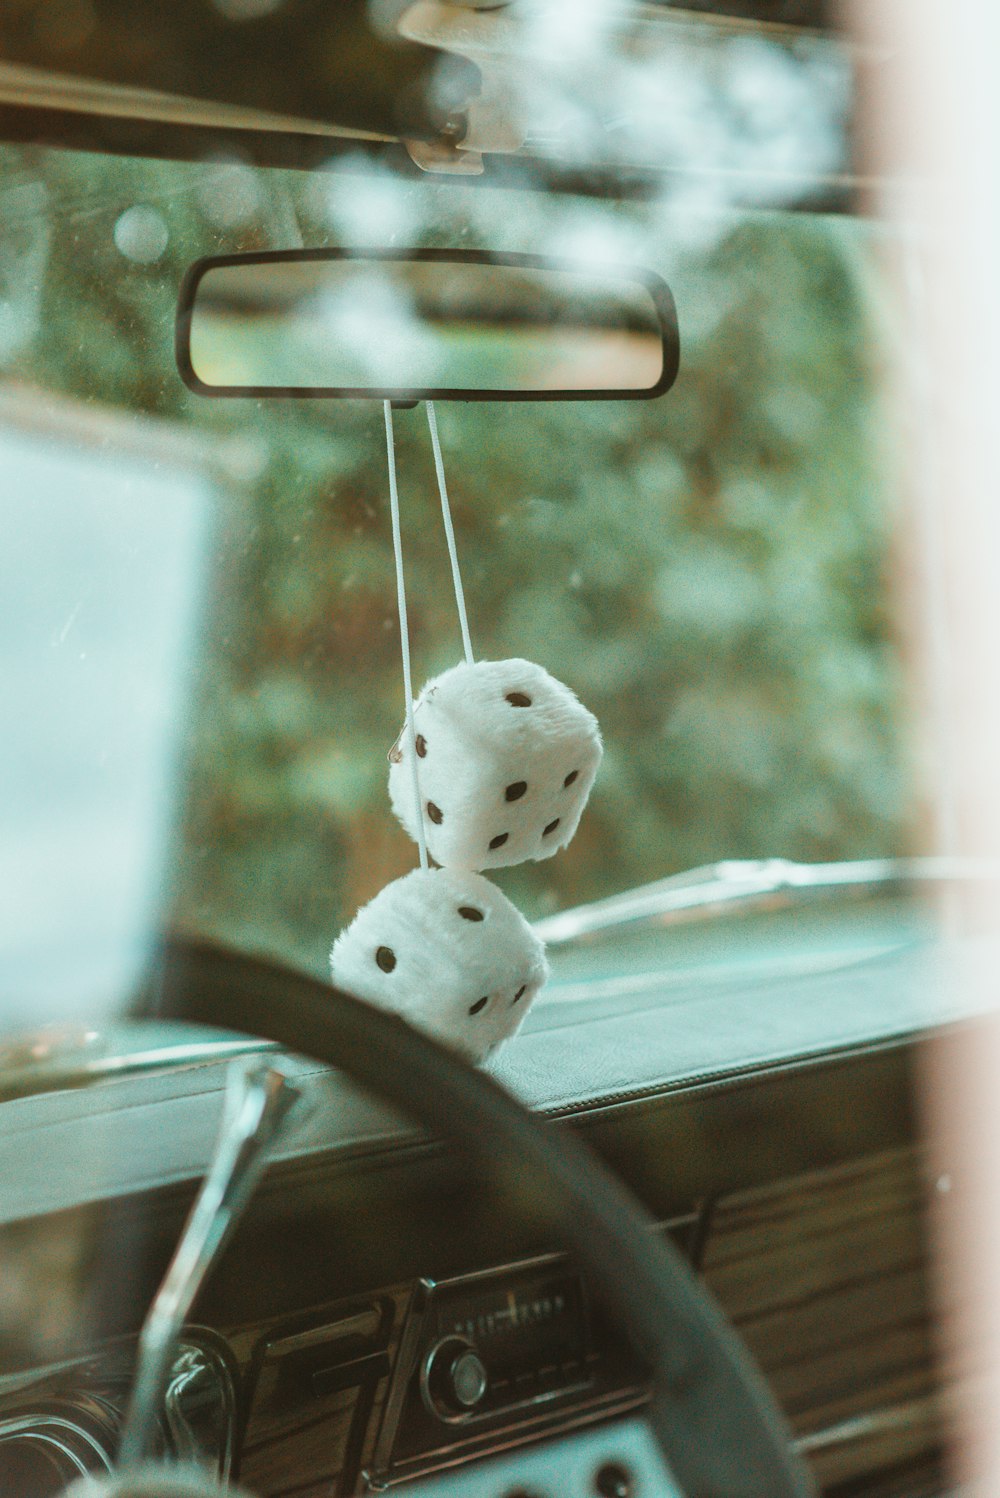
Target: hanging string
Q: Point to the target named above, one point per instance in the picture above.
(404, 632)
(449, 531)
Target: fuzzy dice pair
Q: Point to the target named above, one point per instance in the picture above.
(506, 758)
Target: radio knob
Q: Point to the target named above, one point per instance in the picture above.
(454, 1378)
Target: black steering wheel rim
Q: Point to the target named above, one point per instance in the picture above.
(715, 1420)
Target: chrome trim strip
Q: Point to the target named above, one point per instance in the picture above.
(100, 1057)
(43, 1430)
(913, 1413)
(744, 881)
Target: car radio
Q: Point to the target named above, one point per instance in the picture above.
(498, 1356)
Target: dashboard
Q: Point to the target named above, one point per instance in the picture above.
(385, 1317)
(824, 1274)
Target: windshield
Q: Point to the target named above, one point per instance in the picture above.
(198, 619)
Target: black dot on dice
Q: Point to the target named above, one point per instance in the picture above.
(569, 778)
(386, 959)
(470, 913)
(421, 746)
(499, 840)
(519, 995)
(435, 813)
(516, 791)
(518, 699)
(551, 827)
(479, 1005)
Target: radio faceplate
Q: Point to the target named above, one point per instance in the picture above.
(494, 1357)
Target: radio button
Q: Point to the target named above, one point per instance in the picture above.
(454, 1378)
(468, 1378)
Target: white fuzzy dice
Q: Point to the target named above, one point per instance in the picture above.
(447, 951)
(506, 757)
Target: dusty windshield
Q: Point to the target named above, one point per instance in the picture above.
(198, 614)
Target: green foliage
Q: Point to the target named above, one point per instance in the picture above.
(706, 571)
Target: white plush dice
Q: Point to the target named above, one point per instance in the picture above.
(506, 757)
(447, 951)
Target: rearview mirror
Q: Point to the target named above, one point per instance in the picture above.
(424, 325)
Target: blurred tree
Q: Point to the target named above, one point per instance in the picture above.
(706, 571)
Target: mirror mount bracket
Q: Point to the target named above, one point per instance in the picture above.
(446, 157)
(495, 116)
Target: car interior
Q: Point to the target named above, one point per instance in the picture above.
(620, 274)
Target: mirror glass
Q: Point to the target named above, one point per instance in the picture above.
(417, 323)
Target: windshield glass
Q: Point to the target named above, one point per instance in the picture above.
(198, 618)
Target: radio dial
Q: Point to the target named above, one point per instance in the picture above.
(454, 1379)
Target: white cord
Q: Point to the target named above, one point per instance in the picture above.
(449, 531)
(404, 632)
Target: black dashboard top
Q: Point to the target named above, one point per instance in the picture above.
(624, 1026)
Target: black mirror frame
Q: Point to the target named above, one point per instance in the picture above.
(659, 290)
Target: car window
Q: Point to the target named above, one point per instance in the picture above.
(707, 571)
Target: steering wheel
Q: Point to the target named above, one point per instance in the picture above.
(711, 1414)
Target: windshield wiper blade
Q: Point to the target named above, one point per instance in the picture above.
(744, 881)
